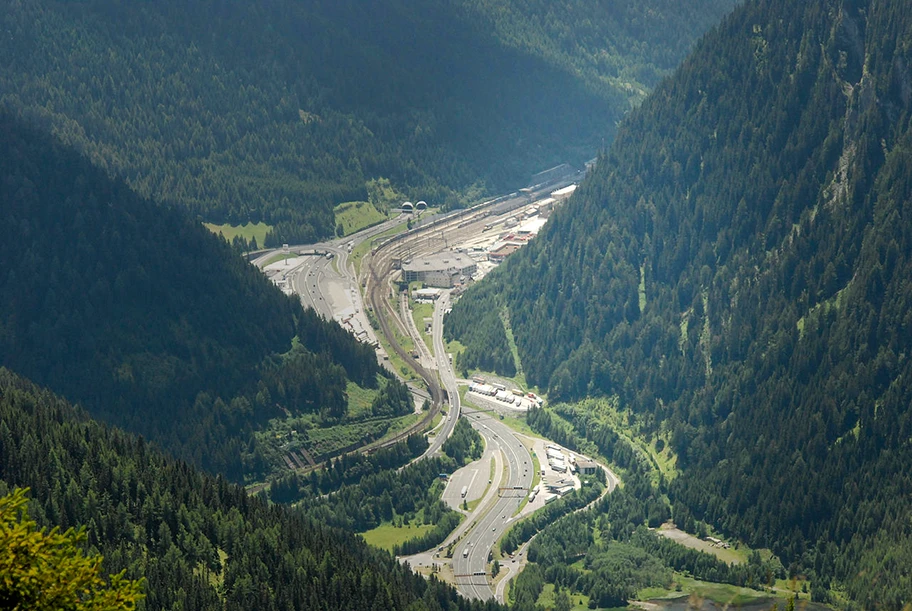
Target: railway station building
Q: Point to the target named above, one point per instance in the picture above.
(442, 270)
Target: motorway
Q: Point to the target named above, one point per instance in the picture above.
(333, 291)
(311, 283)
(445, 371)
(472, 577)
(328, 284)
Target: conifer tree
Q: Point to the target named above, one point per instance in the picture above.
(43, 570)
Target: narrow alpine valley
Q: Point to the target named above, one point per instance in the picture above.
(455, 305)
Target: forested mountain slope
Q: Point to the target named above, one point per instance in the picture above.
(148, 320)
(277, 111)
(199, 542)
(762, 195)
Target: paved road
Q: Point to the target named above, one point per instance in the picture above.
(492, 525)
(445, 370)
(495, 517)
(496, 513)
(321, 270)
(310, 280)
(318, 280)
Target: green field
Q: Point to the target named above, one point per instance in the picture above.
(473, 504)
(454, 347)
(520, 378)
(360, 399)
(642, 288)
(536, 472)
(546, 599)
(420, 311)
(364, 247)
(355, 216)
(520, 426)
(280, 257)
(386, 536)
(696, 590)
(248, 231)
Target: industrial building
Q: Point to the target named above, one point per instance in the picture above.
(587, 467)
(547, 204)
(426, 294)
(497, 256)
(443, 270)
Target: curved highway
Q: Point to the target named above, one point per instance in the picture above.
(317, 279)
(472, 576)
(445, 370)
(311, 276)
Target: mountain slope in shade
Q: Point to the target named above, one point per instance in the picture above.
(199, 542)
(145, 318)
(278, 111)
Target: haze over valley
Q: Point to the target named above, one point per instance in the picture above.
(457, 305)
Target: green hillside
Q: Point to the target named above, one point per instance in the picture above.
(199, 542)
(276, 112)
(150, 321)
(761, 196)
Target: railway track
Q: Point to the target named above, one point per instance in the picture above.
(382, 310)
(459, 224)
(380, 267)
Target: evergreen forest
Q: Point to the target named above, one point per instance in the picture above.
(736, 272)
(197, 541)
(275, 112)
(729, 290)
(155, 325)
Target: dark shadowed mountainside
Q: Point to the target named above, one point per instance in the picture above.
(198, 541)
(148, 320)
(277, 111)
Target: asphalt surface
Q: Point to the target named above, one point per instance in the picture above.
(311, 293)
(309, 282)
(495, 513)
(471, 571)
(445, 371)
(313, 281)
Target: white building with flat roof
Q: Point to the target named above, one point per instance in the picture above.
(426, 294)
(444, 269)
(563, 193)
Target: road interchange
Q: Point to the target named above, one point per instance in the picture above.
(326, 265)
(470, 571)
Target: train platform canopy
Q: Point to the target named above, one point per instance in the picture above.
(563, 193)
